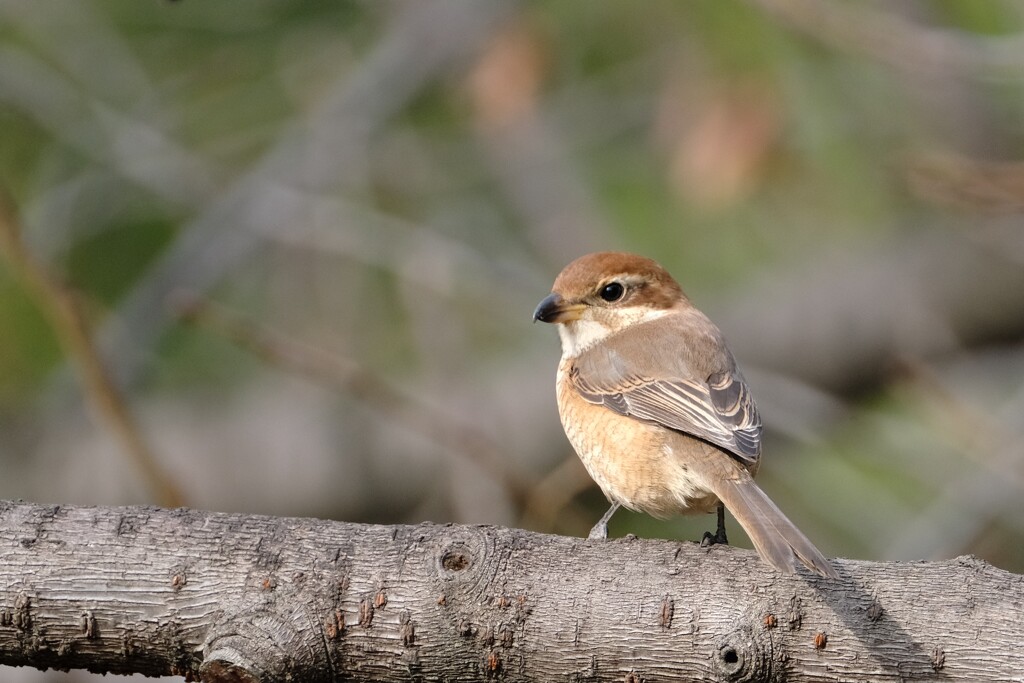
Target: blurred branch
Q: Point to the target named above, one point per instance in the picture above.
(527, 156)
(132, 147)
(890, 38)
(965, 506)
(841, 320)
(402, 406)
(413, 252)
(960, 182)
(99, 57)
(58, 303)
(551, 495)
(311, 156)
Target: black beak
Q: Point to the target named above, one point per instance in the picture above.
(547, 310)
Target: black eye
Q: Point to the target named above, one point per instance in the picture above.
(612, 291)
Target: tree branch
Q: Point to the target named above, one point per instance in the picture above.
(235, 597)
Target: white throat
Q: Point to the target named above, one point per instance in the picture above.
(579, 335)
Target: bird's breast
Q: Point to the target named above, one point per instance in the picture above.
(641, 465)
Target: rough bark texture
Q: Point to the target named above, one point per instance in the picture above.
(251, 598)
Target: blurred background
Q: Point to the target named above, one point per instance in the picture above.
(281, 257)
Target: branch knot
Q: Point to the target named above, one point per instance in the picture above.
(741, 656)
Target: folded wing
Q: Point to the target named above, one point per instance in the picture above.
(676, 391)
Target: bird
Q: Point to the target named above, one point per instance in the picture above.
(652, 401)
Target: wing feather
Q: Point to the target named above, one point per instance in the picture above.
(670, 391)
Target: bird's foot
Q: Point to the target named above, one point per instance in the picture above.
(711, 539)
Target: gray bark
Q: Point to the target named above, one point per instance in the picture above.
(237, 597)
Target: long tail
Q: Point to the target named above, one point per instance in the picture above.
(777, 539)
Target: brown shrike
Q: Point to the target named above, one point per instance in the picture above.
(652, 401)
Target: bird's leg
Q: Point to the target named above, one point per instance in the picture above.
(600, 530)
(719, 536)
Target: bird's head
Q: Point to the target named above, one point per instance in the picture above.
(600, 294)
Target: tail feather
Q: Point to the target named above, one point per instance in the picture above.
(776, 539)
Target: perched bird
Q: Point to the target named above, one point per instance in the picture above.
(651, 399)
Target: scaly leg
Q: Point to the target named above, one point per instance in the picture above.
(600, 530)
(719, 537)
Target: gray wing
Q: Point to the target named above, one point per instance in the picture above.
(717, 408)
